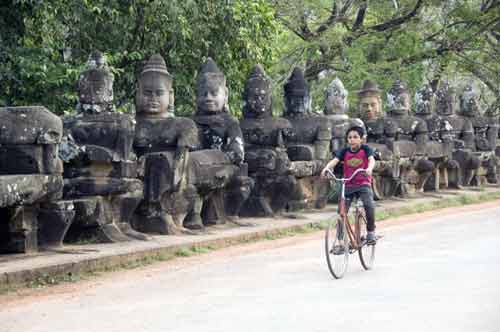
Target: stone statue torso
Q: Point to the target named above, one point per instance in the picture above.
(155, 135)
(265, 132)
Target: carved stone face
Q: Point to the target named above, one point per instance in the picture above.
(154, 95)
(370, 107)
(296, 104)
(211, 97)
(424, 99)
(335, 104)
(400, 103)
(95, 88)
(258, 101)
(444, 102)
(336, 98)
(469, 104)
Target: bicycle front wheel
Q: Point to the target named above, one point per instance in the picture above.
(366, 251)
(337, 248)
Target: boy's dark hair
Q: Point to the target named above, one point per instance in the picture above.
(357, 129)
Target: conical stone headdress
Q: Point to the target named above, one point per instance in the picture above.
(369, 88)
(296, 85)
(336, 88)
(210, 74)
(257, 79)
(156, 64)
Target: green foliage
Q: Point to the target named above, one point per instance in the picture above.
(416, 41)
(44, 45)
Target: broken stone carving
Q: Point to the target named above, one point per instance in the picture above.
(31, 184)
(100, 174)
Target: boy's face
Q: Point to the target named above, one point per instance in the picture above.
(353, 139)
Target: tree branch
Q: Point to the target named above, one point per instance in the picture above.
(398, 21)
(361, 16)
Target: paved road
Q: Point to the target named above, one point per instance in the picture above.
(439, 275)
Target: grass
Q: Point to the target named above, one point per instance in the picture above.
(188, 251)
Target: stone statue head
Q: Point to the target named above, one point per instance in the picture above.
(336, 98)
(370, 102)
(297, 98)
(469, 103)
(398, 99)
(257, 94)
(424, 100)
(95, 86)
(445, 98)
(211, 90)
(155, 94)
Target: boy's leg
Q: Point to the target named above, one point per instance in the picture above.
(366, 196)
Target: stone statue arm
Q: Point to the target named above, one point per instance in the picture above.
(188, 140)
(467, 135)
(322, 142)
(492, 135)
(421, 136)
(235, 147)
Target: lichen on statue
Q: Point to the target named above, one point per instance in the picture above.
(101, 170)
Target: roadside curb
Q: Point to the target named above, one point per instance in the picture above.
(57, 266)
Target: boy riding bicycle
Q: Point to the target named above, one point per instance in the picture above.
(357, 155)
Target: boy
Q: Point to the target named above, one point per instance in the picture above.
(355, 156)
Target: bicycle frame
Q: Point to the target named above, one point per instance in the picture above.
(352, 233)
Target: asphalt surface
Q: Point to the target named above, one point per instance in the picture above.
(439, 275)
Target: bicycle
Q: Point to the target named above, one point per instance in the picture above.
(343, 239)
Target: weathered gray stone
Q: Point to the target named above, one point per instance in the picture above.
(265, 139)
(308, 145)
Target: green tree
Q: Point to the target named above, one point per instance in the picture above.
(414, 40)
(44, 45)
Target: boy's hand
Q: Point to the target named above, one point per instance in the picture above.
(324, 172)
(369, 171)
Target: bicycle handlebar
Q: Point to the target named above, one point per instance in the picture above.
(346, 179)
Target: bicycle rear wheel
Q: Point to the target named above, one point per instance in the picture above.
(366, 251)
(337, 248)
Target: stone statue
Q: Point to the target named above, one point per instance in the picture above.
(370, 101)
(439, 148)
(163, 143)
(100, 177)
(485, 132)
(31, 184)
(95, 86)
(335, 110)
(265, 139)
(407, 136)
(462, 135)
(308, 146)
(220, 132)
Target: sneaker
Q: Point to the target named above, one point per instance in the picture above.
(371, 238)
(338, 250)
